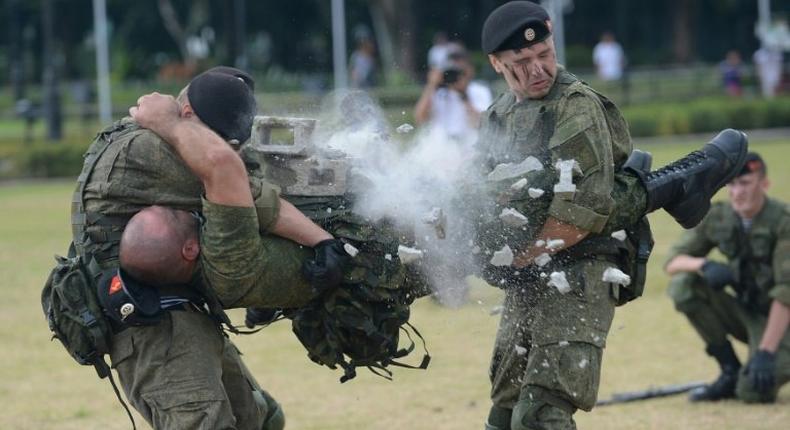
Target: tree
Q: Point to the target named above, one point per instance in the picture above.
(394, 26)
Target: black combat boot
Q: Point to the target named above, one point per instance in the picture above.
(724, 386)
(684, 188)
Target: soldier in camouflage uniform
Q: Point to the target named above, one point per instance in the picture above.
(547, 355)
(181, 372)
(752, 231)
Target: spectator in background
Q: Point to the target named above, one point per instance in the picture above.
(731, 73)
(768, 62)
(609, 58)
(452, 100)
(363, 61)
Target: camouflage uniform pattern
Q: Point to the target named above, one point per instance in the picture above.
(760, 260)
(547, 355)
(245, 268)
(137, 169)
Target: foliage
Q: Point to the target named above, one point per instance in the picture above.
(50, 160)
(706, 115)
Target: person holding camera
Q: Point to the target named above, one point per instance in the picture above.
(451, 101)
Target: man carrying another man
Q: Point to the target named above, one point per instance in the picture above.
(181, 358)
(752, 231)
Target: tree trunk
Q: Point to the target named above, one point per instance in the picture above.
(15, 64)
(683, 37)
(397, 17)
(174, 27)
(51, 99)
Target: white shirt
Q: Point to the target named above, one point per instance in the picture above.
(609, 58)
(448, 111)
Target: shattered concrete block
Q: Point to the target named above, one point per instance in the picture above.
(558, 281)
(519, 185)
(511, 170)
(535, 192)
(438, 220)
(554, 244)
(616, 276)
(404, 128)
(512, 218)
(350, 249)
(620, 235)
(565, 186)
(503, 257)
(408, 255)
(542, 259)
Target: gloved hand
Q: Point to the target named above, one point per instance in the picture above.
(761, 370)
(325, 271)
(717, 275)
(260, 316)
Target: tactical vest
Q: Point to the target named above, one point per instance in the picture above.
(96, 237)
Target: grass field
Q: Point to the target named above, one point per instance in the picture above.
(649, 344)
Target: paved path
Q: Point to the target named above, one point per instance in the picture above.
(757, 134)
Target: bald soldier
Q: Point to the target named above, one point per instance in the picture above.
(547, 355)
(174, 363)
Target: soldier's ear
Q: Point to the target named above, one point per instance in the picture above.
(191, 249)
(495, 63)
(186, 110)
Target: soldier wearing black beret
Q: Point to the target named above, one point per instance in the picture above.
(547, 355)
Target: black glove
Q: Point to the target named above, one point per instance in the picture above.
(761, 370)
(260, 316)
(325, 271)
(717, 275)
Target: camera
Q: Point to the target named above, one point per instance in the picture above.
(451, 75)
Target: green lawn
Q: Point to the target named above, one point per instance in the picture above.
(650, 344)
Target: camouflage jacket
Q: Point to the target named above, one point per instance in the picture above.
(572, 122)
(759, 258)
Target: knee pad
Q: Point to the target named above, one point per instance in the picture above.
(541, 411)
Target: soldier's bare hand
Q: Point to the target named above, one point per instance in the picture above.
(157, 112)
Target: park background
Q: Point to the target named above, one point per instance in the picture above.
(672, 97)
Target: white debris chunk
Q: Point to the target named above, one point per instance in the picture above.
(565, 184)
(558, 281)
(503, 257)
(554, 244)
(620, 235)
(542, 259)
(583, 363)
(520, 350)
(540, 243)
(350, 250)
(563, 343)
(616, 276)
(404, 128)
(496, 310)
(475, 250)
(511, 170)
(512, 218)
(408, 255)
(545, 363)
(519, 185)
(329, 210)
(535, 192)
(388, 257)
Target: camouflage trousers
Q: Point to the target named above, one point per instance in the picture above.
(547, 355)
(183, 373)
(717, 316)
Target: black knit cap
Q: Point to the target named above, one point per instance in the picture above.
(222, 97)
(515, 25)
(753, 164)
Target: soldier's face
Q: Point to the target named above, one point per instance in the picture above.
(747, 194)
(529, 72)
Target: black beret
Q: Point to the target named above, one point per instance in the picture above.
(235, 72)
(515, 25)
(754, 163)
(224, 101)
